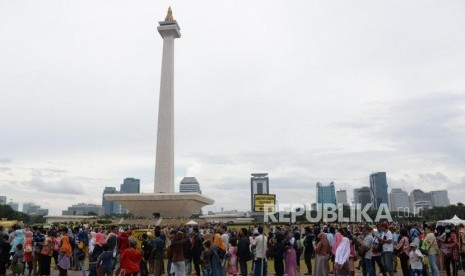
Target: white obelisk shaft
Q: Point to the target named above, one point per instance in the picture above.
(164, 166)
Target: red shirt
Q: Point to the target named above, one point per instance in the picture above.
(130, 259)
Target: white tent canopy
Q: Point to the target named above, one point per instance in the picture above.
(191, 222)
(455, 221)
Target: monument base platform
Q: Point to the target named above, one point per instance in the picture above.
(166, 205)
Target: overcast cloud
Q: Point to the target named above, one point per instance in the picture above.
(304, 90)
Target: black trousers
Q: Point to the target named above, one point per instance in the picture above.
(308, 263)
(279, 265)
(404, 264)
(377, 260)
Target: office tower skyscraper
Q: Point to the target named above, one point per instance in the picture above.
(341, 197)
(110, 207)
(399, 200)
(259, 184)
(379, 189)
(189, 185)
(130, 186)
(356, 199)
(325, 194)
(439, 198)
(364, 196)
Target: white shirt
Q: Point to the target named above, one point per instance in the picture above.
(387, 247)
(416, 259)
(262, 246)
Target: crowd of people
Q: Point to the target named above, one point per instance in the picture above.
(215, 250)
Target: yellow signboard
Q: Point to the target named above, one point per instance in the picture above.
(264, 203)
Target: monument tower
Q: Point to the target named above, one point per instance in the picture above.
(164, 167)
(164, 201)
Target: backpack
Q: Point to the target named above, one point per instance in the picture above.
(105, 262)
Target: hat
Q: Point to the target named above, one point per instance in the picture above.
(149, 234)
(255, 232)
(413, 244)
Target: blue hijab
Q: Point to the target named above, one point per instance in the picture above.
(19, 239)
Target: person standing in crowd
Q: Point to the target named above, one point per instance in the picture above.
(219, 254)
(130, 259)
(145, 250)
(261, 243)
(432, 245)
(341, 257)
(98, 249)
(449, 249)
(39, 239)
(205, 258)
(403, 247)
(415, 260)
(17, 265)
(157, 245)
(461, 237)
(243, 250)
(28, 248)
(387, 254)
(308, 248)
(45, 257)
(56, 246)
(298, 248)
(291, 268)
(178, 265)
(187, 250)
(224, 236)
(376, 250)
(82, 245)
(277, 252)
(232, 268)
(4, 253)
(64, 255)
(196, 249)
(18, 239)
(365, 244)
(322, 254)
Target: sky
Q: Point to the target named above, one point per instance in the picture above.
(307, 91)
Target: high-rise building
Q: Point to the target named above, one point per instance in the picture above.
(130, 186)
(189, 185)
(110, 207)
(259, 184)
(439, 198)
(33, 209)
(341, 197)
(420, 199)
(356, 199)
(399, 200)
(2, 200)
(379, 189)
(325, 194)
(364, 196)
(84, 209)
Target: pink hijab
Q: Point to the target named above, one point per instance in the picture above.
(337, 240)
(99, 239)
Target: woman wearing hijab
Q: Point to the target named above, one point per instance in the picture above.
(64, 256)
(341, 259)
(130, 259)
(98, 242)
(290, 260)
(217, 259)
(322, 252)
(45, 257)
(18, 239)
(28, 246)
